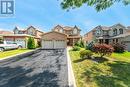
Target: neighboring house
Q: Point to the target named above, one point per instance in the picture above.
(73, 33)
(109, 35)
(2, 32)
(21, 36)
(16, 38)
(32, 31)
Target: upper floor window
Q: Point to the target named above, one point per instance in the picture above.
(121, 31)
(115, 32)
(31, 32)
(16, 31)
(20, 32)
(98, 32)
(75, 31)
(61, 30)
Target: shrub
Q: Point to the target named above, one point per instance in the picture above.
(119, 48)
(76, 48)
(90, 46)
(103, 49)
(31, 43)
(86, 54)
(79, 44)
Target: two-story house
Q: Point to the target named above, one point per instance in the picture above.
(20, 36)
(73, 33)
(109, 35)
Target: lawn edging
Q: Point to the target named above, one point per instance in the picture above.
(19, 56)
(71, 78)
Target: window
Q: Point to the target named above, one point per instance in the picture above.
(16, 31)
(61, 30)
(121, 31)
(75, 31)
(98, 32)
(116, 40)
(115, 32)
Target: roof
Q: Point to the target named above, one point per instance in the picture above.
(5, 32)
(118, 25)
(105, 28)
(54, 32)
(122, 35)
(69, 28)
(16, 35)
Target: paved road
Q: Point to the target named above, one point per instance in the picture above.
(42, 69)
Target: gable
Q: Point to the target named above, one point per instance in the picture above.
(54, 36)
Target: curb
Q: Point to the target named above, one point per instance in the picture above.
(71, 78)
(19, 56)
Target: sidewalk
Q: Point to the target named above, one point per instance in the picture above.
(71, 78)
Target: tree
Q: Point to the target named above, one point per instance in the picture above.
(98, 4)
(103, 49)
(119, 48)
(31, 43)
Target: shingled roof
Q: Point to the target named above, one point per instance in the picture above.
(5, 32)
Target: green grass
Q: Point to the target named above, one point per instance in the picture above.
(121, 56)
(12, 52)
(106, 74)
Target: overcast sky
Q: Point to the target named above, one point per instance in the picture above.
(45, 14)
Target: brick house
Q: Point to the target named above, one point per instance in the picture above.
(109, 35)
(73, 33)
(20, 36)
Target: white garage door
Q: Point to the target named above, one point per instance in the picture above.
(53, 44)
(127, 46)
(21, 42)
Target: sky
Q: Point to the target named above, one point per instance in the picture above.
(45, 14)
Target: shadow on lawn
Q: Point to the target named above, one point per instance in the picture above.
(95, 59)
(19, 77)
(117, 75)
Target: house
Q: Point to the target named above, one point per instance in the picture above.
(2, 32)
(54, 40)
(73, 33)
(32, 31)
(17, 38)
(109, 35)
(20, 36)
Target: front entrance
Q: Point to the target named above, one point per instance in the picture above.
(72, 41)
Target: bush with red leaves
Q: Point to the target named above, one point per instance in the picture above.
(119, 48)
(103, 49)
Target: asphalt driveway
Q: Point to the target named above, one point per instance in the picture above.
(45, 68)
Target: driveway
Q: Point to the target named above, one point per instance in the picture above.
(45, 68)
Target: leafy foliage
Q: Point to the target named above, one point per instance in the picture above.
(80, 44)
(76, 48)
(103, 49)
(31, 43)
(119, 48)
(98, 4)
(85, 54)
(90, 46)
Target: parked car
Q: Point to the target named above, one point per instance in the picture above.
(8, 46)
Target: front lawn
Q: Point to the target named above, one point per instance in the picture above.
(89, 73)
(12, 52)
(121, 56)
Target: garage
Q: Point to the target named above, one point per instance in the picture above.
(127, 44)
(54, 40)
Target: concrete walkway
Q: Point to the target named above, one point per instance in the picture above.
(71, 78)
